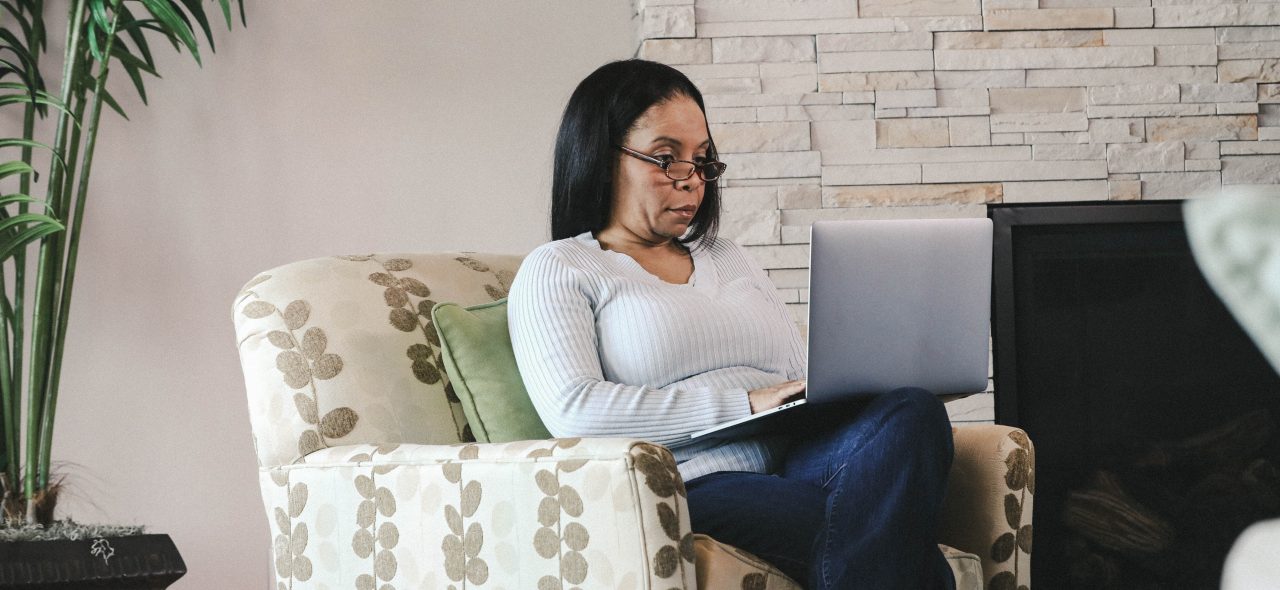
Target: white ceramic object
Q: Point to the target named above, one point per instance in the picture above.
(1236, 241)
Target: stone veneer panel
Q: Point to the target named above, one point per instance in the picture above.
(858, 109)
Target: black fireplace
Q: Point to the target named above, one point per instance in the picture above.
(1152, 413)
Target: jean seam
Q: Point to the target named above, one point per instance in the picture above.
(834, 498)
(833, 476)
(830, 533)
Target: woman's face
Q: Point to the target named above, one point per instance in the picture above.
(646, 203)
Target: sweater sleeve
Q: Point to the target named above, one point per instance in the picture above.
(553, 333)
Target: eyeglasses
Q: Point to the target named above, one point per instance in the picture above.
(681, 169)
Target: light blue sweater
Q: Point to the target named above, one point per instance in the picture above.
(607, 349)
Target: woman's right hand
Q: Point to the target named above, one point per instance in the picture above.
(772, 397)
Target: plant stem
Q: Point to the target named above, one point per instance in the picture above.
(49, 328)
(73, 226)
(48, 266)
(8, 413)
(8, 417)
(53, 341)
(34, 43)
(12, 380)
(77, 106)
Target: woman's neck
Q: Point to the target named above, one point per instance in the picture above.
(666, 259)
(620, 240)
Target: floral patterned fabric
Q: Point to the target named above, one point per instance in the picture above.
(987, 510)
(568, 513)
(339, 351)
(370, 479)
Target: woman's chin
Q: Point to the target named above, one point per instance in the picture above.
(674, 231)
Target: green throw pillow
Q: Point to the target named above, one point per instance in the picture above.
(477, 355)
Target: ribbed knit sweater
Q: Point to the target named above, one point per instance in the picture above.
(607, 349)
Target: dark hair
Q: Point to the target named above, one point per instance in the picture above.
(599, 115)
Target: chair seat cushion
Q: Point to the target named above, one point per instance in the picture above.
(476, 349)
(724, 566)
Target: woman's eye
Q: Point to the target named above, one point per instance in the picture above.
(666, 158)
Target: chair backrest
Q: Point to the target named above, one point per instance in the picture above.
(341, 350)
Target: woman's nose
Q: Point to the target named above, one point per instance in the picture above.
(689, 184)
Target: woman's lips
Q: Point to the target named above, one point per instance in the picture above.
(687, 211)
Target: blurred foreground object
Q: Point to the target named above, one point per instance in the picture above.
(1236, 241)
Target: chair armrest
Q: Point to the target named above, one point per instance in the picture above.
(592, 513)
(987, 509)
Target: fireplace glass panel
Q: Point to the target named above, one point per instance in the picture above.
(1119, 347)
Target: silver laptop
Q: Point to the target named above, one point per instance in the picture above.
(892, 303)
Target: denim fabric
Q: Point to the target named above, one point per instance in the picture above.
(856, 503)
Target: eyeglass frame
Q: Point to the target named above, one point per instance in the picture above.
(665, 165)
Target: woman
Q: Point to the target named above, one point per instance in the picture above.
(638, 322)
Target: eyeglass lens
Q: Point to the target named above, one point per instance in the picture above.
(685, 170)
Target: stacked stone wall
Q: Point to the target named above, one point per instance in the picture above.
(859, 109)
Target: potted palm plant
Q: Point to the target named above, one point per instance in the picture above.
(39, 238)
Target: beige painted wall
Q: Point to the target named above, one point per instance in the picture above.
(325, 127)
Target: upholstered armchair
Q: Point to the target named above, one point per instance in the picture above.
(369, 481)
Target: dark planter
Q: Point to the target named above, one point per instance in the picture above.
(139, 562)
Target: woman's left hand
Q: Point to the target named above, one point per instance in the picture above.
(772, 397)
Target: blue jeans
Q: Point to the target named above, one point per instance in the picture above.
(855, 505)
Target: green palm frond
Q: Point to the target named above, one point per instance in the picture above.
(37, 97)
(41, 93)
(35, 227)
(197, 12)
(25, 66)
(99, 11)
(134, 67)
(20, 142)
(19, 15)
(111, 103)
(18, 199)
(128, 24)
(21, 229)
(171, 19)
(8, 169)
(103, 35)
(91, 35)
(28, 16)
